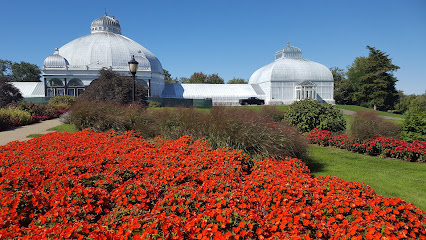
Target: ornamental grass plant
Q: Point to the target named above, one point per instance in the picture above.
(368, 124)
(253, 132)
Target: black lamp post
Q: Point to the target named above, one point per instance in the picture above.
(133, 68)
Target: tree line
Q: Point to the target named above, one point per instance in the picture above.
(200, 77)
(19, 72)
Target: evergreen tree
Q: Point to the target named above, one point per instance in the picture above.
(373, 81)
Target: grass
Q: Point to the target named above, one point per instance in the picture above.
(34, 135)
(70, 128)
(357, 108)
(388, 177)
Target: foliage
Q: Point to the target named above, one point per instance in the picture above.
(5, 68)
(168, 77)
(8, 93)
(414, 126)
(376, 146)
(25, 72)
(109, 186)
(252, 132)
(343, 89)
(115, 88)
(367, 124)
(237, 81)
(13, 117)
(65, 99)
(308, 114)
(200, 77)
(154, 104)
(373, 81)
(27, 113)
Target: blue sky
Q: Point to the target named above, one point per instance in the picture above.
(231, 38)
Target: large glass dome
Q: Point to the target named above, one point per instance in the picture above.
(289, 66)
(106, 47)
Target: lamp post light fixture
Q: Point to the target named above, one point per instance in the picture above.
(133, 68)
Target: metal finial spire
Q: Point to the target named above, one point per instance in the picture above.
(288, 43)
(105, 12)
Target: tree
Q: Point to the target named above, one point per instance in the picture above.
(113, 87)
(5, 68)
(200, 77)
(214, 79)
(373, 80)
(343, 89)
(237, 81)
(25, 72)
(8, 92)
(168, 77)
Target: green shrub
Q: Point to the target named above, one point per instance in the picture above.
(414, 127)
(308, 114)
(367, 124)
(15, 116)
(154, 104)
(62, 100)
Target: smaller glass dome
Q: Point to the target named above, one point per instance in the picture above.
(55, 60)
(289, 52)
(105, 24)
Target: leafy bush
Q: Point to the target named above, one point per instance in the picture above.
(89, 185)
(308, 114)
(13, 117)
(367, 124)
(8, 93)
(414, 127)
(154, 104)
(62, 100)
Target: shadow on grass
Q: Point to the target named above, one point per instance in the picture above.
(314, 166)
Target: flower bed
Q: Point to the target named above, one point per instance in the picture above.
(28, 113)
(377, 146)
(108, 185)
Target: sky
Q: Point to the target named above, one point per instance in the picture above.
(232, 38)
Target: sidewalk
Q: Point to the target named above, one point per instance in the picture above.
(21, 133)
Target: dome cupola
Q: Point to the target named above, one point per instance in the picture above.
(105, 24)
(55, 61)
(289, 52)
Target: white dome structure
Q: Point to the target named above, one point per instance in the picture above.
(290, 78)
(80, 60)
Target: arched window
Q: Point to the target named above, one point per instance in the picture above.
(55, 82)
(75, 82)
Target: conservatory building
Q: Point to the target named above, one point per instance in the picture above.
(287, 79)
(75, 65)
(291, 78)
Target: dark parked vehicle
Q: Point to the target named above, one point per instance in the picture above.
(252, 100)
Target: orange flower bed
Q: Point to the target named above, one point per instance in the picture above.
(89, 185)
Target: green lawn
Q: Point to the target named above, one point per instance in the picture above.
(64, 128)
(388, 177)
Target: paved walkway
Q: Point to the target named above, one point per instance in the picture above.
(348, 112)
(21, 133)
